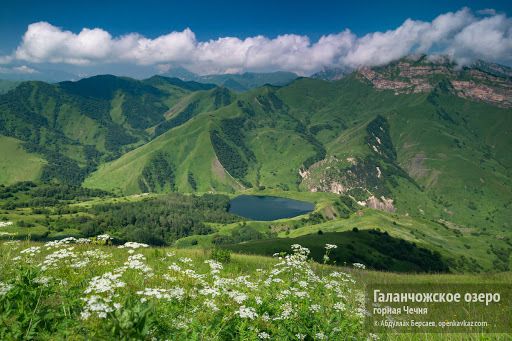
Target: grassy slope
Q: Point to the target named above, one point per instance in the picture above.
(72, 117)
(452, 177)
(242, 264)
(16, 164)
(461, 162)
(189, 149)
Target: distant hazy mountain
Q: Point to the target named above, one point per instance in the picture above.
(181, 73)
(236, 82)
(332, 73)
(6, 85)
(45, 75)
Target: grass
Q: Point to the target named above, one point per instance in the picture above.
(377, 250)
(74, 291)
(16, 164)
(103, 292)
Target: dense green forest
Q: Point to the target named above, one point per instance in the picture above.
(158, 221)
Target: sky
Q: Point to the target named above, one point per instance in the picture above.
(139, 38)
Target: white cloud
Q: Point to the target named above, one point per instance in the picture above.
(23, 69)
(489, 38)
(464, 35)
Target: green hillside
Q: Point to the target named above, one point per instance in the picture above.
(428, 153)
(418, 148)
(76, 126)
(375, 249)
(16, 164)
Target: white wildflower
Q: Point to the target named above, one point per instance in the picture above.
(103, 237)
(339, 306)
(5, 288)
(43, 280)
(31, 251)
(185, 260)
(210, 304)
(132, 245)
(247, 312)
(314, 308)
(136, 262)
(359, 266)
(264, 336)
(320, 336)
(237, 296)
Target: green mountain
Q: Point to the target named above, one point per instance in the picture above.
(236, 82)
(421, 141)
(75, 126)
(407, 137)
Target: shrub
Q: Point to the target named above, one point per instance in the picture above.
(221, 255)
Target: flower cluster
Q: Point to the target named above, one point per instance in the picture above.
(101, 292)
(66, 241)
(132, 245)
(359, 266)
(287, 296)
(5, 288)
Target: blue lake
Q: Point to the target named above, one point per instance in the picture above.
(256, 207)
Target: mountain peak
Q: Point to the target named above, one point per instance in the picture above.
(484, 82)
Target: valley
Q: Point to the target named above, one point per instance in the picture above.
(405, 149)
(256, 171)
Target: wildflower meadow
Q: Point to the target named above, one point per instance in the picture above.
(84, 289)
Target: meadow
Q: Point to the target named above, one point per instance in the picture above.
(78, 289)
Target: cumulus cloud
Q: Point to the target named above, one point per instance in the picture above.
(463, 35)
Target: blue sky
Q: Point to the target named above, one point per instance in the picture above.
(210, 20)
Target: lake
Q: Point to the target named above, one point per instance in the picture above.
(267, 208)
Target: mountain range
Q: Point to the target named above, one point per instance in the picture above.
(419, 137)
(235, 82)
(238, 82)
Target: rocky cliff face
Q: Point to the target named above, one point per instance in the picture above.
(485, 82)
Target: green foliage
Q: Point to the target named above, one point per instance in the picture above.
(378, 136)
(31, 309)
(157, 174)
(117, 137)
(345, 206)
(30, 194)
(192, 181)
(377, 250)
(233, 129)
(177, 120)
(134, 322)
(229, 156)
(158, 221)
(101, 292)
(221, 97)
(220, 255)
